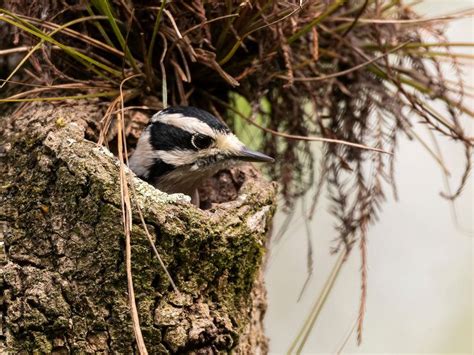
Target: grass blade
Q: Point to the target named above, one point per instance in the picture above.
(308, 325)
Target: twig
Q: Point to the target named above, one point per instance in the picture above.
(164, 88)
(356, 19)
(71, 86)
(448, 188)
(465, 175)
(298, 137)
(127, 225)
(309, 254)
(208, 22)
(346, 338)
(316, 309)
(363, 280)
(150, 239)
(173, 22)
(14, 50)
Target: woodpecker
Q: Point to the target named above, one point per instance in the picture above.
(181, 146)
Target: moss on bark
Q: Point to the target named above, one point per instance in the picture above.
(63, 276)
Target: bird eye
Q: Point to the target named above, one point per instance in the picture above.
(200, 141)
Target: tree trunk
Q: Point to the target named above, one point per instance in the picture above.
(63, 281)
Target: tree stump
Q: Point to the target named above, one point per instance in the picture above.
(62, 278)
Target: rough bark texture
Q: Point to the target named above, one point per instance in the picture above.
(62, 280)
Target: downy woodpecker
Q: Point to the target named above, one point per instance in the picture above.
(182, 146)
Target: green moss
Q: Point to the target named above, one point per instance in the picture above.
(77, 240)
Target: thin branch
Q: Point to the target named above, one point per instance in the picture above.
(127, 225)
(363, 281)
(309, 246)
(14, 50)
(298, 137)
(341, 347)
(300, 341)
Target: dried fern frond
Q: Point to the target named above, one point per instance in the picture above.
(362, 72)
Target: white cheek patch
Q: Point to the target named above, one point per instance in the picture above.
(177, 157)
(180, 157)
(228, 143)
(186, 123)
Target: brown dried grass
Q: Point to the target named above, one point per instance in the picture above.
(355, 74)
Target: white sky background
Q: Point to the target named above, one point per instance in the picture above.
(420, 295)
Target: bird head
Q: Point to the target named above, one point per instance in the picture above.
(182, 146)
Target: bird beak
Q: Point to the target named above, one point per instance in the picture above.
(246, 154)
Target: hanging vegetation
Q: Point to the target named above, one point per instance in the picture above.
(355, 74)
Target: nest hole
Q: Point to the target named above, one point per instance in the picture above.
(223, 187)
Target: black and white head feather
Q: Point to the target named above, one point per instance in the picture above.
(182, 146)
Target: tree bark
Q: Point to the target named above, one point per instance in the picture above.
(62, 279)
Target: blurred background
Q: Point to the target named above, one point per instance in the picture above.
(420, 256)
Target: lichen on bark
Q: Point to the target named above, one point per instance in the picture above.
(63, 278)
